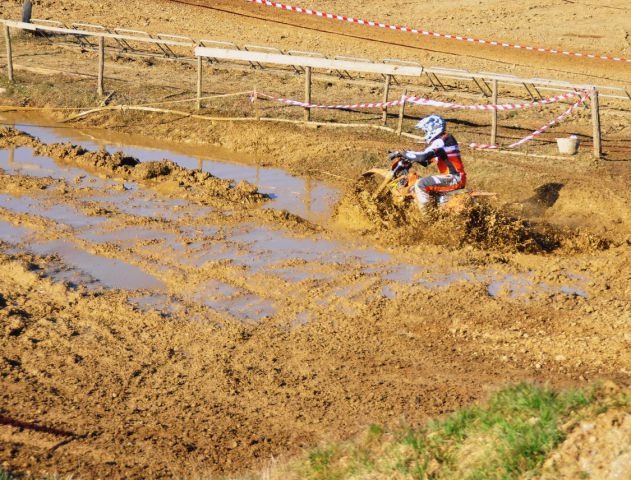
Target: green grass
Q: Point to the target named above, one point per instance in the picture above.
(6, 476)
(508, 437)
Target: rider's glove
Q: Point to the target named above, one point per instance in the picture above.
(421, 158)
(393, 155)
(401, 163)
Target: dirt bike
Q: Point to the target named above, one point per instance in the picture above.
(399, 182)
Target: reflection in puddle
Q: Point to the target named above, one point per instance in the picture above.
(265, 247)
(247, 307)
(301, 319)
(59, 213)
(299, 273)
(22, 161)
(388, 292)
(109, 272)
(515, 286)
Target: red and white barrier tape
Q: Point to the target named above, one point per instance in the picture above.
(501, 107)
(296, 103)
(423, 102)
(579, 102)
(461, 38)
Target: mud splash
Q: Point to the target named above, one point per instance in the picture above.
(482, 224)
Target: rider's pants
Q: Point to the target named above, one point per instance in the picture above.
(436, 183)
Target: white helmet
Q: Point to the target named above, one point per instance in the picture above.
(433, 126)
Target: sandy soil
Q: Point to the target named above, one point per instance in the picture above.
(161, 320)
(576, 25)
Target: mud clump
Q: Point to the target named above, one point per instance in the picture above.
(165, 175)
(11, 138)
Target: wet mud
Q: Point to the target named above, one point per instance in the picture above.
(205, 328)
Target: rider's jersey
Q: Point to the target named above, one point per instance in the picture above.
(445, 152)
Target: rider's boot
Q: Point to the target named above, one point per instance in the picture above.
(422, 197)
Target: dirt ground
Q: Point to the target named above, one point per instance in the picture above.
(162, 316)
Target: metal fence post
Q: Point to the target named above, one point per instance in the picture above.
(199, 82)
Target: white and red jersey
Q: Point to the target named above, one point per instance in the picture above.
(445, 152)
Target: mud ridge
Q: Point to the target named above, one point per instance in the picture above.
(12, 138)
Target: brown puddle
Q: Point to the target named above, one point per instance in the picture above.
(304, 197)
(108, 272)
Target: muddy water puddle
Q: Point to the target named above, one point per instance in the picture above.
(59, 213)
(304, 197)
(13, 234)
(22, 161)
(226, 298)
(109, 272)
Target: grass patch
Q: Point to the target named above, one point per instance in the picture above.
(508, 437)
(6, 475)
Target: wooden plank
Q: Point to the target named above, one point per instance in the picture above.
(199, 82)
(401, 113)
(87, 33)
(322, 63)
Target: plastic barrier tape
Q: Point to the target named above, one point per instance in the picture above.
(427, 33)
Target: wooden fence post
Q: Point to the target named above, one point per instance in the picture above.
(255, 100)
(199, 82)
(494, 114)
(307, 93)
(27, 11)
(7, 39)
(100, 82)
(596, 135)
(401, 112)
(386, 92)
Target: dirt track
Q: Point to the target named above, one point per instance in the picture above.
(157, 322)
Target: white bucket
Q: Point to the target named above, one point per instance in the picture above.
(568, 146)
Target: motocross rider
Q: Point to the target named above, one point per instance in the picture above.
(442, 149)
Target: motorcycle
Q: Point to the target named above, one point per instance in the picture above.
(399, 182)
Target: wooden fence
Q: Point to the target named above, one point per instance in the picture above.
(183, 48)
